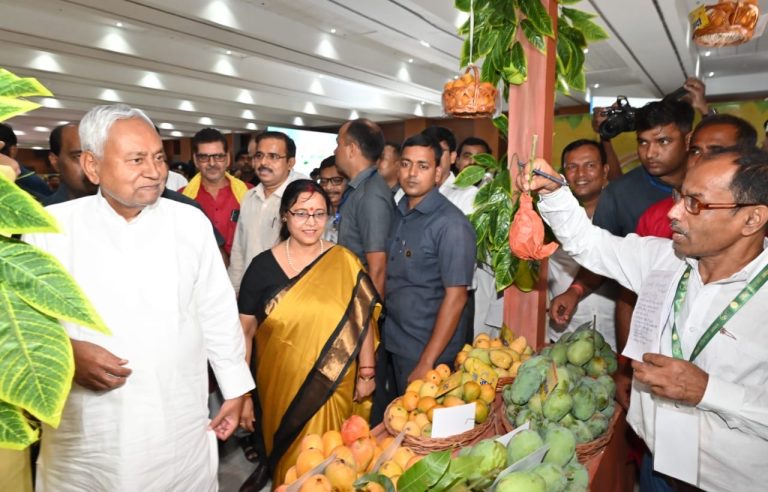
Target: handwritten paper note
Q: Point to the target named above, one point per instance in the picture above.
(645, 328)
(447, 422)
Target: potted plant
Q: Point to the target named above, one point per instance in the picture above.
(36, 362)
(495, 33)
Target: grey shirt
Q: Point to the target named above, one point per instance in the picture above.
(432, 246)
(366, 214)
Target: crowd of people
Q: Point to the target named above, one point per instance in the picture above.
(250, 300)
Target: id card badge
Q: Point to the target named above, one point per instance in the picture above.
(676, 447)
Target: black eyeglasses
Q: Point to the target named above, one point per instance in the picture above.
(336, 181)
(693, 206)
(207, 157)
(270, 156)
(303, 215)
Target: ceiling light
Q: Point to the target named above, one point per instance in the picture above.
(41, 129)
(298, 121)
(119, 24)
(424, 43)
(333, 30)
(37, 147)
(176, 133)
(186, 106)
(586, 50)
(423, 103)
(455, 77)
(252, 126)
(63, 122)
(229, 52)
(19, 133)
(707, 53)
(710, 74)
(165, 126)
(248, 115)
(205, 121)
(353, 115)
(410, 60)
(595, 86)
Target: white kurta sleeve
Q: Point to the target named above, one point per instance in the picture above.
(219, 319)
(624, 259)
(742, 407)
(237, 265)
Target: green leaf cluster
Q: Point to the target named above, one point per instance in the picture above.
(495, 207)
(12, 88)
(438, 472)
(36, 364)
(501, 26)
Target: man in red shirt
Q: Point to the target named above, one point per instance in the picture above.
(218, 192)
(713, 134)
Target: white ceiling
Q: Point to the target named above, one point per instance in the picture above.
(242, 64)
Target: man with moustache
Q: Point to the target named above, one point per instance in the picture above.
(140, 422)
(713, 134)
(429, 269)
(273, 155)
(64, 144)
(699, 399)
(467, 150)
(218, 192)
(389, 165)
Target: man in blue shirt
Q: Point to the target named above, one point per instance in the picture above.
(430, 263)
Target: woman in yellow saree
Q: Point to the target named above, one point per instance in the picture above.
(312, 310)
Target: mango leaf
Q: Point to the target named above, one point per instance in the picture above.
(568, 2)
(504, 266)
(499, 195)
(533, 36)
(480, 223)
(486, 42)
(503, 180)
(576, 15)
(579, 81)
(501, 231)
(487, 161)
(464, 59)
(483, 194)
(469, 176)
(508, 11)
(537, 14)
(488, 73)
(591, 31)
(20, 213)
(378, 478)
(460, 468)
(463, 5)
(15, 431)
(41, 281)
(13, 86)
(10, 107)
(502, 124)
(516, 72)
(425, 473)
(36, 361)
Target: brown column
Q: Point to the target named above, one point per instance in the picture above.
(531, 112)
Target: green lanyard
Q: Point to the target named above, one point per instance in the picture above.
(682, 288)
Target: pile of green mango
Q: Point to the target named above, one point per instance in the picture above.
(581, 400)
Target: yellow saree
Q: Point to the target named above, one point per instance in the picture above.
(307, 348)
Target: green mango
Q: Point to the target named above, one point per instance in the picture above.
(609, 409)
(580, 351)
(598, 424)
(482, 354)
(576, 371)
(525, 385)
(599, 340)
(523, 416)
(511, 412)
(493, 454)
(562, 445)
(553, 476)
(557, 405)
(522, 444)
(596, 367)
(602, 396)
(577, 475)
(609, 384)
(584, 402)
(522, 481)
(564, 379)
(559, 353)
(581, 432)
(535, 404)
(567, 420)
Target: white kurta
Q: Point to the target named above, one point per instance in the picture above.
(160, 285)
(733, 414)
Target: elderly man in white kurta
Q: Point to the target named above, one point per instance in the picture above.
(698, 337)
(137, 417)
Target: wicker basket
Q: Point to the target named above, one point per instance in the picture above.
(475, 100)
(730, 23)
(503, 382)
(584, 452)
(426, 445)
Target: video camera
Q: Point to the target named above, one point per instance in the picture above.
(621, 118)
